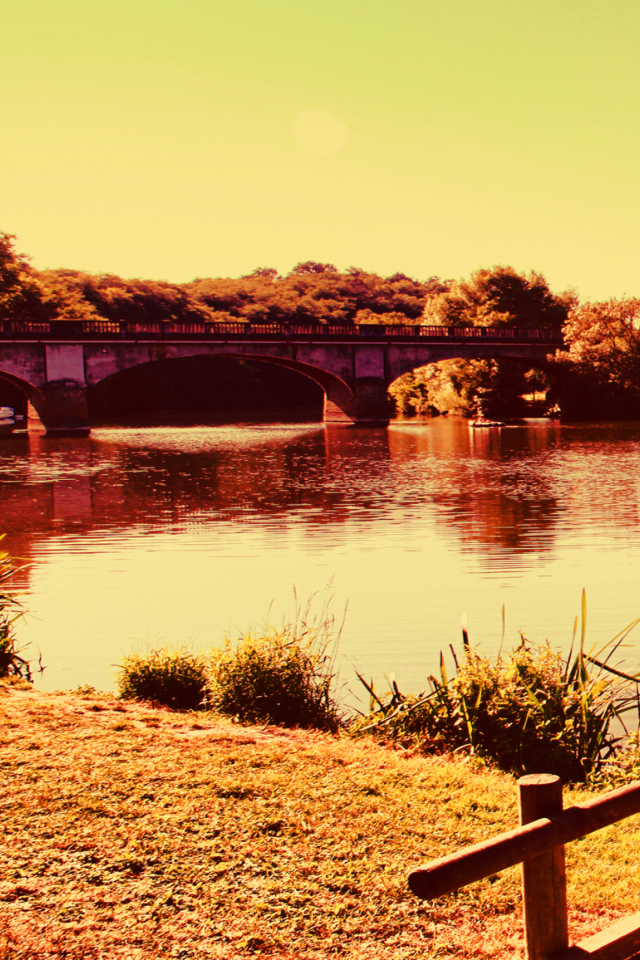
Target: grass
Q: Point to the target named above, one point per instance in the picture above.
(172, 678)
(134, 833)
(284, 676)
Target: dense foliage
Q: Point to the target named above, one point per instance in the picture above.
(310, 293)
(499, 297)
(491, 297)
(506, 388)
(598, 374)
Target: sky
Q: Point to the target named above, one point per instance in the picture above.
(174, 139)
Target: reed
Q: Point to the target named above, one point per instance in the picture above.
(12, 664)
(282, 675)
(530, 711)
(286, 676)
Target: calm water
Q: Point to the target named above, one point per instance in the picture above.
(136, 537)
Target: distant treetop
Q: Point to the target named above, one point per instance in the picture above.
(311, 293)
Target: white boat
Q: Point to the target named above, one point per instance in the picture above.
(7, 421)
(481, 422)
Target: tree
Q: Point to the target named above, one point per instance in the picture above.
(316, 293)
(393, 317)
(499, 297)
(599, 371)
(63, 298)
(312, 267)
(603, 340)
(77, 295)
(21, 295)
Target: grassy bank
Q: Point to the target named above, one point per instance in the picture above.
(131, 832)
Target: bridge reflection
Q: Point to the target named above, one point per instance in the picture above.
(487, 491)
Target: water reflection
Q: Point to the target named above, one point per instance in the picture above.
(415, 525)
(496, 490)
(487, 485)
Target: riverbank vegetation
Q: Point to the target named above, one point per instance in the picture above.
(12, 664)
(530, 710)
(280, 675)
(136, 833)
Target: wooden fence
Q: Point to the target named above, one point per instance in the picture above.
(539, 845)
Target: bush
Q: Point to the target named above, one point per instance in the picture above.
(531, 711)
(284, 677)
(173, 678)
(279, 679)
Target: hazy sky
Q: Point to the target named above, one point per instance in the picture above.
(182, 138)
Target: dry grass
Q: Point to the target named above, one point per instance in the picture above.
(131, 832)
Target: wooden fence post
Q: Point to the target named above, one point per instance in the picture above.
(544, 885)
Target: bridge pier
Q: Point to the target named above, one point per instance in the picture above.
(367, 404)
(63, 410)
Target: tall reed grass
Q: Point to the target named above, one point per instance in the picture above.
(12, 664)
(529, 711)
(279, 675)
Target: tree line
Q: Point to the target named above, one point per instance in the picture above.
(596, 375)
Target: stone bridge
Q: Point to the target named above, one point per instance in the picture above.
(56, 363)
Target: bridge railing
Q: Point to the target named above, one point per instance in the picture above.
(538, 843)
(114, 329)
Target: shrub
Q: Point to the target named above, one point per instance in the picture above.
(284, 677)
(531, 711)
(277, 680)
(173, 678)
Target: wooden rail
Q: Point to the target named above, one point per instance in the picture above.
(117, 329)
(538, 843)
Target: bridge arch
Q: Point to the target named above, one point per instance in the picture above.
(33, 393)
(24, 393)
(525, 359)
(405, 361)
(336, 393)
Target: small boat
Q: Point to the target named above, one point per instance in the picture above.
(482, 422)
(7, 421)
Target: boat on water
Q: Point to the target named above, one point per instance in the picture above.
(482, 422)
(7, 420)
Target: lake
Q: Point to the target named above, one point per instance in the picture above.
(138, 537)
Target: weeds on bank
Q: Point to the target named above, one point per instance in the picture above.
(285, 676)
(11, 663)
(173, 678)
(530, 711)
